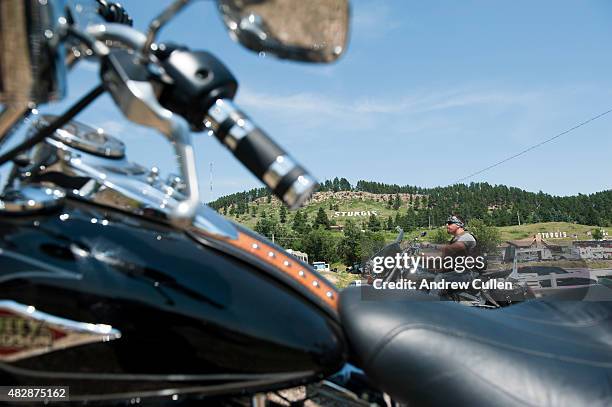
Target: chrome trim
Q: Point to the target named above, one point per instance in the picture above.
(299, 191)
(237, 132)
(259, 400)
(176, 183)
(281, 166)
(124, 34)
(75, 333)
(270, 27)
(177, 378)
(232, 382)
(222, 110)
(120, 184)
(209, 221)
(30, 198)
(86, 138)
(138, 102)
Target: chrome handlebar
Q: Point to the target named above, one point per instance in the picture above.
(136, 98)
(126, 75)
(288, 180)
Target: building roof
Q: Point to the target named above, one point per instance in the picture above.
(593, 243)
(296, 252)
(528, 242)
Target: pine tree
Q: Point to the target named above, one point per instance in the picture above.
(497, 205)
(397, 202)
(282, 214)
(373, 223)
(336, 184)
(350, 245)
(344, 185)
(597, 234)
(298, 221)
(266, 225)
(321, 220)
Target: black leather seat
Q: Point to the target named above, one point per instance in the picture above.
(537, 353)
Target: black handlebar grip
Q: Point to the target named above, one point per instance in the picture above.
(289, 181)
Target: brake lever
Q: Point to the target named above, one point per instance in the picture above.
(129, 83)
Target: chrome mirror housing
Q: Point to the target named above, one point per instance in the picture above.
(307, 31)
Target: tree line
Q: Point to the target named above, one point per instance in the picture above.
(314, 237)
(496, 205)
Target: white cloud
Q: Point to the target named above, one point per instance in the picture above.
(321, 105)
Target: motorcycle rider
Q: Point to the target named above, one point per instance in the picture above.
(463, 242)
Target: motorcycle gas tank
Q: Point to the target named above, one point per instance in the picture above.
(168, 312)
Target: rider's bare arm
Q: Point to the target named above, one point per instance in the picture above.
(454, 249)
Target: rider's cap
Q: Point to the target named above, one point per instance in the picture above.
(455, 219)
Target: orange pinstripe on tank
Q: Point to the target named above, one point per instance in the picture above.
(285, 263)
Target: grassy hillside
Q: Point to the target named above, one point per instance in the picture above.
(374, 202)
(523, 231)
(498, 205)
(343, 205)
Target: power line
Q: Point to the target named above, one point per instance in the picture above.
(534, 146)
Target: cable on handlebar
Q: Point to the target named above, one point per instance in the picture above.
(48, 130)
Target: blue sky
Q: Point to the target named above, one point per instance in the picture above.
(428, 92)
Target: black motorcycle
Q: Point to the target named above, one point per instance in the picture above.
(118, 287)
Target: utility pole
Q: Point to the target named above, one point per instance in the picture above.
(211, 179)
(518, 215)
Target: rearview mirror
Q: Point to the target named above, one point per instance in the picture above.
(31, 54)
(301, 30)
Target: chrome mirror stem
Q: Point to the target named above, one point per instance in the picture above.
(180, 137)
(160, 21)
(137, 100)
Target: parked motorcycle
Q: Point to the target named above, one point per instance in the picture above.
(117, 283)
